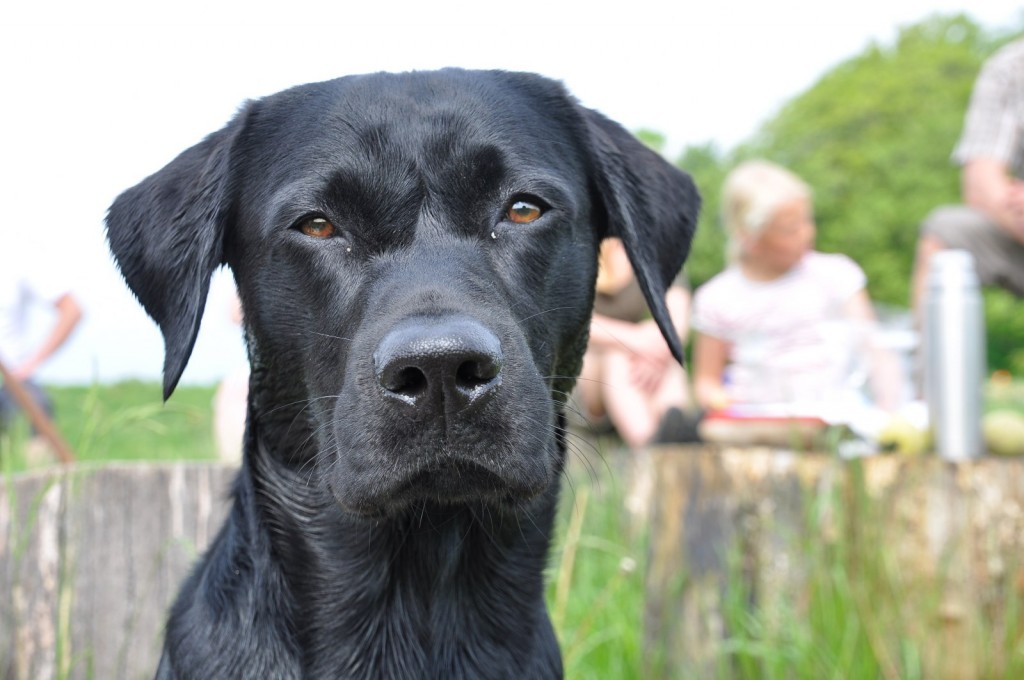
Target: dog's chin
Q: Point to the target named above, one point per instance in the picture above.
(453, 483)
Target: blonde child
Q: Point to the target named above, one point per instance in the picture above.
(784, 323)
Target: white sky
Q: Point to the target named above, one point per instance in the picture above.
(97, 95)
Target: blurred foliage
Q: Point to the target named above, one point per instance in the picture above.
(652, 138)
(708, 168)
(873, 138)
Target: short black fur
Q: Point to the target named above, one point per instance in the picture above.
(403, 451)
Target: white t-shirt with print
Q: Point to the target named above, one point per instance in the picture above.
(788, 339)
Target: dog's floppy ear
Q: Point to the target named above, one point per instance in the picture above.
(166, 234)
(651, 205)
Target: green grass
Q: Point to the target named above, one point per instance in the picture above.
(596, 580)
(128, 421)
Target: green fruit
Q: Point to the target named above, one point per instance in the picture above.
(901, 436)
(1004, 432)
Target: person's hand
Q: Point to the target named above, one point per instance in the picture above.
(23, 373)
(1015, 208)
(650, 357)
(646, 375)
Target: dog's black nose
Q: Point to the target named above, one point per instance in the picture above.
(439, 365)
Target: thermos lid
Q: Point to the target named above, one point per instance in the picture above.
(952, 268)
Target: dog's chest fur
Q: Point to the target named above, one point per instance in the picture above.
(438, 593)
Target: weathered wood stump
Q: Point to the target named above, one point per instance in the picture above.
(928, 556)
(932, 555)
(92, 557)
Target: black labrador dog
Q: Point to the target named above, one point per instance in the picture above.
(415, 255)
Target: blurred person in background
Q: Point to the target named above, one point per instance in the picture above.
(630, 378)
(24, 289)
(783, 327)
(990, 222)
(231, 399)
(630, 381)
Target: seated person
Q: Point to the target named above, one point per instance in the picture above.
(629, 374)
(23, 287)
(779, 331)
(990, 223)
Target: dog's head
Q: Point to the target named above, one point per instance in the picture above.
(416, 256)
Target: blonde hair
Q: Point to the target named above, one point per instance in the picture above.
(752, 193)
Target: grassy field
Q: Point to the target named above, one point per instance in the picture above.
(596, 574)
(129, 421)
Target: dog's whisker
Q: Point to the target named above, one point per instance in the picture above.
(332, 337)
(567, 433)
(306, 403)
(577, 379)
(312, 435)
(546, 311)
(281, 407)
(573, 441)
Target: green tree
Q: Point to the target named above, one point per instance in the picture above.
(707, 254)
(873, 138)
(652, 138)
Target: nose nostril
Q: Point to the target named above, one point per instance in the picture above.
(472, 374)
(408, 382)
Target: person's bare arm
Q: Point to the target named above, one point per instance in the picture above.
(606, 332)
(710, 355)
(988, 186)
(68, 316)
(678, 302)
(884, 371)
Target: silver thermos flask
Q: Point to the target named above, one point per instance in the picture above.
(955, 351)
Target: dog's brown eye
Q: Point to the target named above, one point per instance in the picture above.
(524, 212)
(317, 227)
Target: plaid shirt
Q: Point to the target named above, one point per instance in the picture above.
(994, 125)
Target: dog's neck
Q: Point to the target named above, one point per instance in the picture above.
(425, 593)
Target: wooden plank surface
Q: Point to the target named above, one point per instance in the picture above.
(92, 557)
